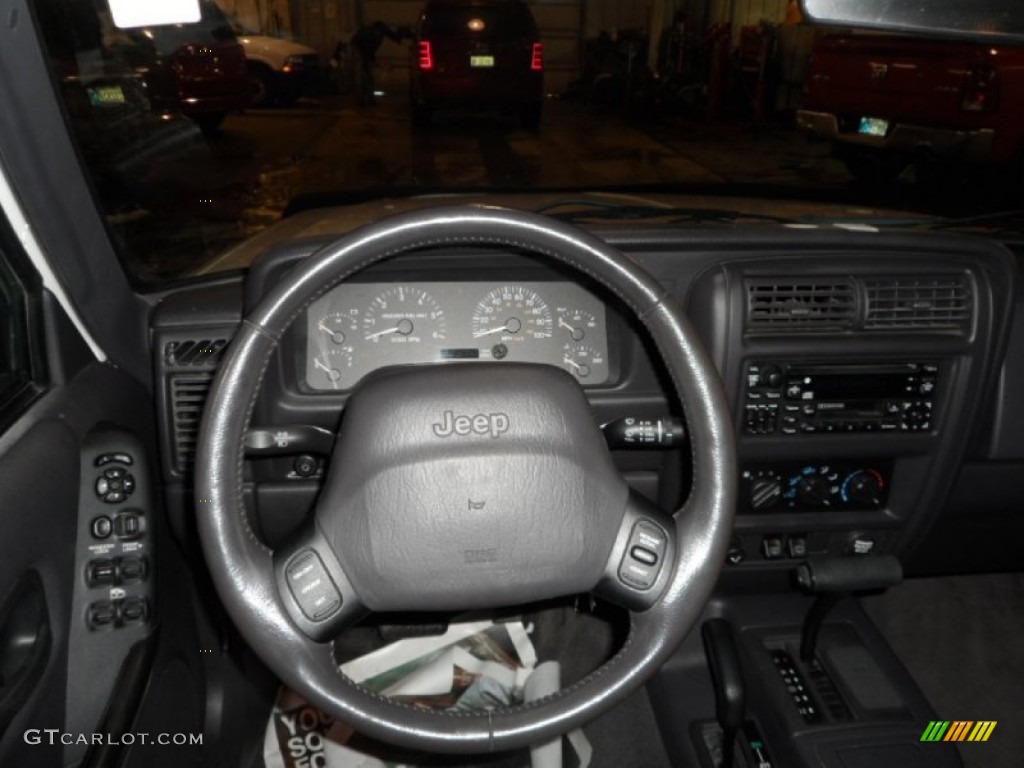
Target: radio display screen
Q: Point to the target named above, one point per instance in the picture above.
(855, 386)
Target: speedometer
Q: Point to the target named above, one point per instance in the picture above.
(512, 313)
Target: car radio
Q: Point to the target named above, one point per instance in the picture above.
(796, 399)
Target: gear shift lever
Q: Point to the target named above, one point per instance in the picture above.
(727, 680)
(832, 579)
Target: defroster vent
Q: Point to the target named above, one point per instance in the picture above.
(918, 303)
(800, 304)
(188, 396)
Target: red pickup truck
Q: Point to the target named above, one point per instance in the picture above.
(887, 101)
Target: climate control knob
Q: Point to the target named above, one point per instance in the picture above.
(765, 492)
(814, 491)
(863, 488)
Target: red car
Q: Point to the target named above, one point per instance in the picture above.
(208, 71)
(887, 101)
(478, 53)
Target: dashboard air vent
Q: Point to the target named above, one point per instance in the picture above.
(923, 303)
(800, 304)
(188, 396)
(194, 353)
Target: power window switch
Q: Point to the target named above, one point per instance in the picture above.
(134, 610)
(101, 615)
(98, 572)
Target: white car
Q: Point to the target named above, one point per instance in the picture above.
(280, 69)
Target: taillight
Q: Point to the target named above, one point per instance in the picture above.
(537, 57)
(426, 56)
(981, 90)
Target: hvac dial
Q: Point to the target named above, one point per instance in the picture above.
(512, 313)
(403, 315)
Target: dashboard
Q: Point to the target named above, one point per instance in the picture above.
(863, 372)
(357, 328)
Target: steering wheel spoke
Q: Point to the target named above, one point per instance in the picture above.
(314, 588)
(642, 559)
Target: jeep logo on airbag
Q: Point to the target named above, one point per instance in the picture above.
(493, 424)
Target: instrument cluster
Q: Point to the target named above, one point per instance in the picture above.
(360, 327)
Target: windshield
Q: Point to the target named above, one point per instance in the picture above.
(704, 114)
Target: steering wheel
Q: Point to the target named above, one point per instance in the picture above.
(466, 486)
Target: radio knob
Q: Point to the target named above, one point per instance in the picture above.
(770, 376)
(765, 492)
(814, 491)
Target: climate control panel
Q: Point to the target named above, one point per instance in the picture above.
(814, 486)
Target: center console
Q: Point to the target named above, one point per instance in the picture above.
(857, 379)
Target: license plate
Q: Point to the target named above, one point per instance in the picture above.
(873, 126)
(481, 61)
(106, 96)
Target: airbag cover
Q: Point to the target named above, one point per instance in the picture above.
(463, 486)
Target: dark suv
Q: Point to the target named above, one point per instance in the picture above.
(478, 53)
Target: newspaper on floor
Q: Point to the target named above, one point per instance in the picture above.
(475, 665)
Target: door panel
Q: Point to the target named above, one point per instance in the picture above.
(50, 476)
(38, 481)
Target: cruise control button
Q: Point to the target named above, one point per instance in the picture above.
(644, 556)
(311, 586)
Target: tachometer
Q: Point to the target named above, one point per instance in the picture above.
(512, 313)
(403, 315)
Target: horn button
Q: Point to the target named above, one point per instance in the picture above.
(464, 486)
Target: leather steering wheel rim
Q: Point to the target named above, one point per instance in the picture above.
(242, 567)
